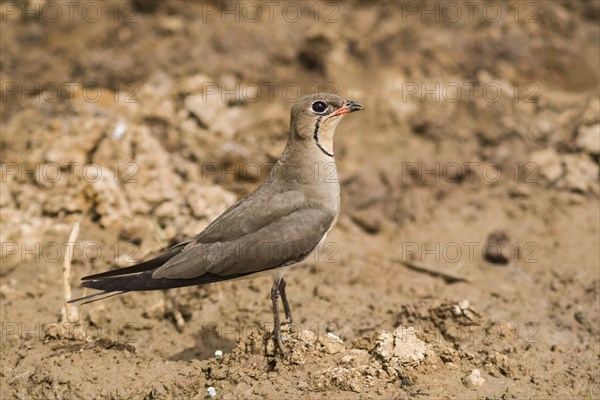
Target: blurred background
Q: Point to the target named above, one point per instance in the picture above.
(469, 188)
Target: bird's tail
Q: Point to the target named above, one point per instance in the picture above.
(139, 277)
(93, 296)
(122, 280)
(114, 285)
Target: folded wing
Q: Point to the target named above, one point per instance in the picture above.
(259, 233)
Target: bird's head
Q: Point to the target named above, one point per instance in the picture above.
(315, 118)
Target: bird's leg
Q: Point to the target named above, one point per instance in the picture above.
(277, 324)
(284, 300)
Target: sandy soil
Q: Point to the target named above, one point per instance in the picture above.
(465, 263)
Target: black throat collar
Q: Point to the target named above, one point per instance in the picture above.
(316, 137)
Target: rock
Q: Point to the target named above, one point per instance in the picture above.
(211, 391)
(581, 175)
(308, 338)
(447, 355)
(574, 172)
(347, 379)
(498, 249)
(460, 308)
(457, 314)
(549, 163)
(400, 348)
(333, 344)
(589, 139)
(474, 379)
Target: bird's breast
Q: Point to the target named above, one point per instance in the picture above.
(324, 189)
(315, 175)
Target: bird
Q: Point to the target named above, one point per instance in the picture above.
(277, 225)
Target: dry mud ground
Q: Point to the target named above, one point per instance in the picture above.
(475, 162)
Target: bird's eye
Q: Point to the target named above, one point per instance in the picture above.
(319, 107)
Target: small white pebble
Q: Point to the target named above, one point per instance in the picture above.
(334, 338)
(219, 353)
(464, 304)
(119, 131)
(456, 310)
(474, 379)
(212, 392)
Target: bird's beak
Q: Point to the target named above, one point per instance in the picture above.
(348, 107)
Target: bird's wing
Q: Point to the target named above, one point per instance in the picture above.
(250, 214)
(285, 240)
(247, 216)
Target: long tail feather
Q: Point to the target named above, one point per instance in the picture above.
(148, 265)
(103, 298)
(89, 296)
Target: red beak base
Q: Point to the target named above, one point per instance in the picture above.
(348, 107)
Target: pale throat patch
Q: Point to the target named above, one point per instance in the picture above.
(324, 135)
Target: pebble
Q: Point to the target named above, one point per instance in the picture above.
(400, 348)
(499, 249)
(474, 379)
(211, 391)
(333, 344)
(549, 163)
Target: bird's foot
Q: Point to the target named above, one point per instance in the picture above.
(281, 338)
(278, 341)
(280, 347)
